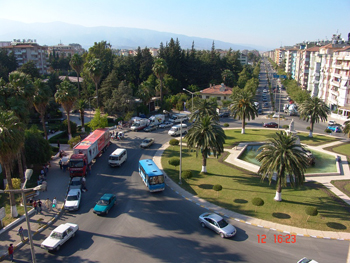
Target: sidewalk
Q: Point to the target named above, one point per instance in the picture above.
(259, 222)
(57, 186)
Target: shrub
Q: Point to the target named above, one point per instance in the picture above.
(226, 125)
(174, 142)
(186, 174)
(308, 128)
(74, 141)
(285, 126)
(16, 183)
(174, 161)
(328, 131)
(217, 188)
(311, 211)
(257, 201)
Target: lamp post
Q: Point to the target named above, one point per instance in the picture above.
(191, 94)
(23, 190)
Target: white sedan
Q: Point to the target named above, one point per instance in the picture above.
(73, 200)
(59, 236)
(166, 124)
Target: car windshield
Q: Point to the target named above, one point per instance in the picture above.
(102, 202)
(222, 223)
(56, 235)
(72, 198)
(75, 183)
(146, 141)
(76, 164)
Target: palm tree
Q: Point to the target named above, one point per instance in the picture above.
(243, 107)
(66, 95)
(314, 110)
(204, 108)
(41, 100)
(207, 136)
(283, 156)
(95, 69)
(347, 128)
(160, 68)
(81, 105)
(11, 142)
(146, 91)
(77, 64)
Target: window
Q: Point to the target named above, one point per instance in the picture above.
(218, 98)
(207, 97)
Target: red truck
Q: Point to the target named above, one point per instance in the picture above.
(87, 150)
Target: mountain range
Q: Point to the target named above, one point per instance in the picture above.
(119, 37)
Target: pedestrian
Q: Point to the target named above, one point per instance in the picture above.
(89, 169)
(48, 204)
(54, 202)
(20, 233)
(83, 182)
(60, 163)
(58, 144)
(39, 206)
(10, 250)
(42, 172)
(35, 205)
(44, 186)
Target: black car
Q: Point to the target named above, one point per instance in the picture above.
(224, 114)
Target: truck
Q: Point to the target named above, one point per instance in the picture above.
(139, 124)
(157, 119)
(87, 150)
(178, 118)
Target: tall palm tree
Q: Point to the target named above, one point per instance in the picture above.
(283, 156)
(160, 68)
(347, 128)
(204, 108)
(11, 142)
(66, 95)
(77, 64)
(243, 107)
(41, 100)
(146, 91)
(81, 105)
(95, 69)
(207, 136)
(314, 110)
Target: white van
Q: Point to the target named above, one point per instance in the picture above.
(176, 130)
(118, 157)
(177, 118)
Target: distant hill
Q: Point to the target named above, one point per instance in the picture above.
(119, 37)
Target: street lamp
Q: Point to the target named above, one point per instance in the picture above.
(192, 96)
(23, 190)
(180, 169)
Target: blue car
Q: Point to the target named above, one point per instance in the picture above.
(105, 203)
(334, 128)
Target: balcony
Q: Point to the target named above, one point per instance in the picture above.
(334, 83)
(337, 66)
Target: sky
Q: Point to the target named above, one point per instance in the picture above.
(268, 23)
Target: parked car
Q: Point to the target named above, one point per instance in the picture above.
(224, 114)
(147, 142)
(265, 90)
(277, 115)
(76, 183)
(270, 125)
(334, 128)
(150, 128)
(106, 202)
(266, 104)
(166, 124)
(73, 200)
(260, 111)
(264, 99)
(217, 224)
(59, 236)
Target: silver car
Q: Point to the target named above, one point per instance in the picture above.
(217, 224)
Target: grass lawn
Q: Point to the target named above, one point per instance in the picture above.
(342, 149)
(234, 137)
(342, 185)
(241, 186)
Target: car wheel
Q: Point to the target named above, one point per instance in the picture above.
(203, 225)
(107, 212)
(222, 235)
(73, 234)
(58, 247)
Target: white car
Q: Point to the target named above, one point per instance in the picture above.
(331, 123)
(73, 200)
(306, 260)
(166, 124)
(217, 224)
(59, 236)
(147, 142)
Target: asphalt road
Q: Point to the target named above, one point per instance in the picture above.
(164, 227)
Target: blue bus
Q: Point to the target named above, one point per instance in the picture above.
(151, 175)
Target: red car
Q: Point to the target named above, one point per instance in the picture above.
(270, 125)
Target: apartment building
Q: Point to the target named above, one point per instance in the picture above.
(29, 50)
(65, 50)
(291, 56)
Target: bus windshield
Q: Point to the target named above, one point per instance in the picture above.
(156, 180)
